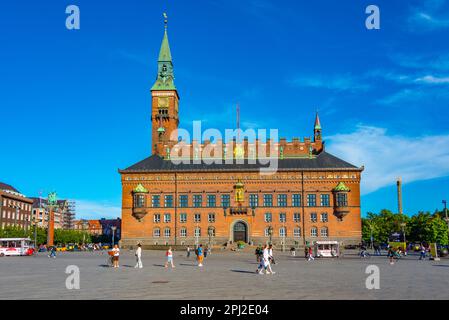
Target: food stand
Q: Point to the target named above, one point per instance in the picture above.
(327, 249)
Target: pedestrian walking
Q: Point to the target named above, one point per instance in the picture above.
(169, 255)
(52, 252)
(206, 251)
(422, 251)
(139, 257)
(310, 257)
(188, 251)
(390, 254)
(293, 251)
(266, 261)
(200, 254)
(115, 256)
(270, 253)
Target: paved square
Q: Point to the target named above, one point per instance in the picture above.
(226, 275)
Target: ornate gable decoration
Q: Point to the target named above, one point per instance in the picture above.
(341, 187)
(140, 189)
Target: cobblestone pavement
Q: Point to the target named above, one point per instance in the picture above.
(226, 275)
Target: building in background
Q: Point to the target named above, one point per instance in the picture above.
(15, 208)
(102, 228)
(64, 213)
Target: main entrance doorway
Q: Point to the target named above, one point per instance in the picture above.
(240, 232)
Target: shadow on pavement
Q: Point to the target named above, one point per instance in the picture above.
(243, 271)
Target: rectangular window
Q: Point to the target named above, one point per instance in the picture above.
(313, 217)
(167, 232)
(211, 217)
(197, 232)
(183, 232)
(157, 233)
(183, 217)
(282, 200)
(342, 200)
(296, 217)
(311, 200)
(167, 217)
(296, 200)
(267, 200)
(183, 201)
(324, 217)
(325, 200)
(211, 200)
(139, 201)
(157, 218)
(156, 201)
(253, 200)
(225, 200)
(197, 217)
(282, 217)
(313, 232)
(168, 202)
(197, 200)
(268, 217)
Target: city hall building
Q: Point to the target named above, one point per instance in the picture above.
(312, 195)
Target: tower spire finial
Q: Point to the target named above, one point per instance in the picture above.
(165, 20)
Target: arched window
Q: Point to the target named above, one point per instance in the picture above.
(282, 232)
(167, 232)
(183, 232)
(314, 232)
(156, 232)
(198, 232)
(324, 232)
(267, 232)
(297, 232)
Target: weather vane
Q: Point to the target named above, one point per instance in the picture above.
(165, 19)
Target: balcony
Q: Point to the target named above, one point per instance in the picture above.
(139, 213)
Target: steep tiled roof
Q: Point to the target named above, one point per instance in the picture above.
(322, 161)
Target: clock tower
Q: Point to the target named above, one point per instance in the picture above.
(165, 100)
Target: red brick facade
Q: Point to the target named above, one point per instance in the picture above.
(303, 191)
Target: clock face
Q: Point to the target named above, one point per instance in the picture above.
(163, 102)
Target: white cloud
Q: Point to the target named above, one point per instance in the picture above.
(387, 157)
(431, 15)
(342, 82)
(86, 209)
(433, 80)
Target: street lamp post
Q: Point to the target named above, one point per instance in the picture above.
(445, 213)
(403, 224)
(113, 228)
(270, 233)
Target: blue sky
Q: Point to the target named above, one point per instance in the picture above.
(75, 104)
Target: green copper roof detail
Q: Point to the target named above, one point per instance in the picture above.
(140, 189)
(164, 53)
(341, 187)
(165, 75)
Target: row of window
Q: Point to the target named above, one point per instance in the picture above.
(268, 217)
(15, 216)
(15, 204)
(211, 200)
(324, 232)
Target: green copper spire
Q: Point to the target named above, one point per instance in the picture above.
(165, 76)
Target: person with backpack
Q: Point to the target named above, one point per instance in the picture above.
(200, 254)
(169, 255)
